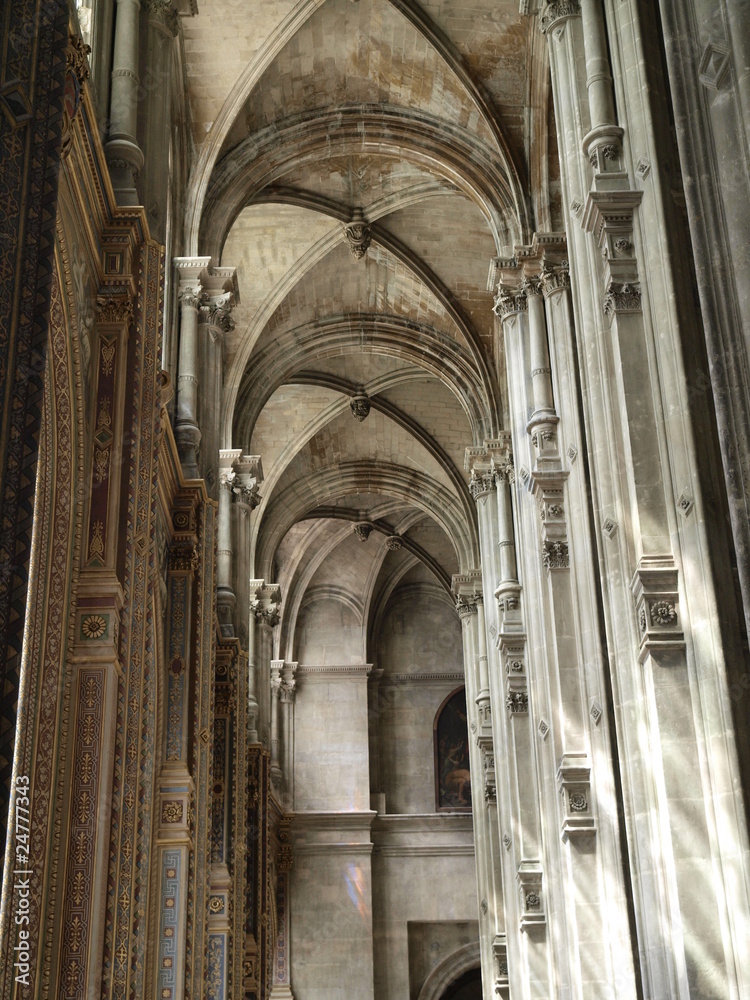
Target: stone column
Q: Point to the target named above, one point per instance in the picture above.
(512, 753)
(155, 124)
(252, 697)
(176, 786)
(276, 668)
(288, 687)
(220, 294)
(225, 596)
(484, 712)
(468, 591)
(264, 616)
(207, 294)
(124, 155)
(187, 431)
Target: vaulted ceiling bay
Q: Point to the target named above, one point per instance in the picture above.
(361, 164)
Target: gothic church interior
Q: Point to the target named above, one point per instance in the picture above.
(375, 435)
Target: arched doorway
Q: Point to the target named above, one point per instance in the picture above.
(466, 987)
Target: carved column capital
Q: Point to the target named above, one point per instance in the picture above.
(465, 608)
(482, 483)
(162, 13)
(509, 301)
(557, 11)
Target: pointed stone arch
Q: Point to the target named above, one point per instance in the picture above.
(452, 967)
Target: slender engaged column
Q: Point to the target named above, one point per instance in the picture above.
(276, 667)
(598, 73)
(124, 155)
(252, 688)
(187, 432)
(288, 688)
(467, 588)
(225, 596)
(483, 695)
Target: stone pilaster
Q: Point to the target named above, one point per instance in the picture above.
(660, 610)
(176, 783)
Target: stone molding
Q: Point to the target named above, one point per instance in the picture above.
(399, 680)
(449, 970)
(304, 671)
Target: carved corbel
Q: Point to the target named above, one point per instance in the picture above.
(574, 785)
(358, 234)
(657, 606)
(529, 877)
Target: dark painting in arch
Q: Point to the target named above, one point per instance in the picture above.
(452, 776)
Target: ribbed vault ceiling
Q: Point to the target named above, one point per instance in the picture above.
(428, 118)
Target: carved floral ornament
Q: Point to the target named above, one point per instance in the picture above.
(557, 11)
(77, 73)
(555, 555)
(358, 234)
(465, 608)
(508, 301)
(162, 12)
(360, 406)
(480, 484)
(265, 614)
(362, 529)
(622, 297)
(114, 308)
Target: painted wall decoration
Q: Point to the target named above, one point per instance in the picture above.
(452, 775)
